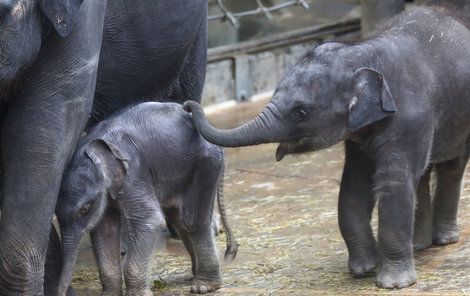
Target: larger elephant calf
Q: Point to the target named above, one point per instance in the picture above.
(401, 100)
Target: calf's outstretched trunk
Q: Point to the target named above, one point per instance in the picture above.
(264, 128)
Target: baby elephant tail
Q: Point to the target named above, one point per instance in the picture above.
(232, 245)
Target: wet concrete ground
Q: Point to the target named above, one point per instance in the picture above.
(285, 219)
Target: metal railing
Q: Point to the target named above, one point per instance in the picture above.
(233, 17)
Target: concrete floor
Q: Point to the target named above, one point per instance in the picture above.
(285, 219)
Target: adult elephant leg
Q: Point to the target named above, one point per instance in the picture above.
(38, 136)
(356, 203)
(449, 176)
(190, 81)
(423, 225)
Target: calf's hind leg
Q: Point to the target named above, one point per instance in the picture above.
(192, 220)
(422, 237)
(449, 176)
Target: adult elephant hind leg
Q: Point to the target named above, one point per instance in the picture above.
(356, 203)
(190, 81)
(449, 176)
(39, 133)
(423, 225)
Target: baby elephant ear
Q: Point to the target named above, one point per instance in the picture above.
(372, 100)
(61, 13)
(109, 158)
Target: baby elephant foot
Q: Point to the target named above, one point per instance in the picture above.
(145, 292)
(422, 242)
(445, 236)
(363, 266)
(203, 287)
(396, 278)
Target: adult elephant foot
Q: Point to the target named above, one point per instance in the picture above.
(396, 277)
(204, 286)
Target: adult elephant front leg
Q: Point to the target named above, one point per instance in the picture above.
(39, 133)
(356, 203)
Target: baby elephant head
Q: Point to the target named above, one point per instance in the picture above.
(328, 95)
(95, 174)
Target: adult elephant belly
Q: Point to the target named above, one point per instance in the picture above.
(151, 51)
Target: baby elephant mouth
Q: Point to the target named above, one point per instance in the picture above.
(298, 146)
(305, 144)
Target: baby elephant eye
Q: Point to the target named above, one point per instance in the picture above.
(84, 209)
(299, 114)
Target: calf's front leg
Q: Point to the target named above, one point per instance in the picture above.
(396, 180)
(144, 222)
(356, 203)
(106, 241)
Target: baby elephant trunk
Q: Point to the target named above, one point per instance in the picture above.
(70, 245)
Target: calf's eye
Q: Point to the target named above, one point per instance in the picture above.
(84, 209)
(299, 114)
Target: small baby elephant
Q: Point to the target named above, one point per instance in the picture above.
(127, 175)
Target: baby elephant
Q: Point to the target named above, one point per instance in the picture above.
(128, 174)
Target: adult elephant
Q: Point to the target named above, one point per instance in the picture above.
(56, 56)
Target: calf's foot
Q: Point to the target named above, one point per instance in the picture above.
(445, 236)
(139, 292)
(362, 267)
(422, 241)
(396, 277)
(204, 286)
(364, 264)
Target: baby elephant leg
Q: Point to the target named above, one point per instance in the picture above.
(422, 237)
(355, 206)
(106, 245)
(193, 223)
(144, 222)
(446, 201)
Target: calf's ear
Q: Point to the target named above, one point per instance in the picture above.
(61, 13)
(111, 161)
(372, 100)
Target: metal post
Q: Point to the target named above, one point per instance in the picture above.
(375, 11)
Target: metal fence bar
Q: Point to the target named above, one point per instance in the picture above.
(233, 17)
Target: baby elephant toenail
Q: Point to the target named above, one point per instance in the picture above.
(203, 289)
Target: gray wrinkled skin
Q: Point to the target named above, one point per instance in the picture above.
(128, 174)
(401, 101)
(65, 65)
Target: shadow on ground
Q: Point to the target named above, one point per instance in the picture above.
(285, 219)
